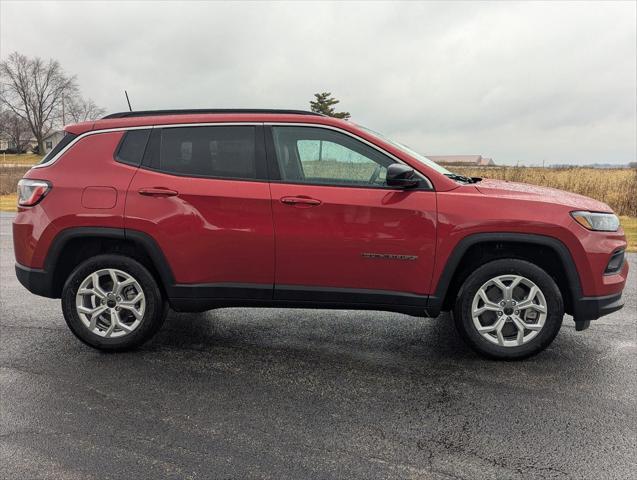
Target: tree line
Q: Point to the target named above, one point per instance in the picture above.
(36, 96)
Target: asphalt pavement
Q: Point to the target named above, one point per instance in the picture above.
(295, 394)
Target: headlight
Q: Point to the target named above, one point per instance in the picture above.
(601, 222)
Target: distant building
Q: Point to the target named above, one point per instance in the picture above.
(462, 160)
(5, 142)
(52, 139)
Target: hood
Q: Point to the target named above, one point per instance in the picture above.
(524, 191)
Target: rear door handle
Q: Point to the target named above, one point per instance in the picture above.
(300, 201)
(157, 192)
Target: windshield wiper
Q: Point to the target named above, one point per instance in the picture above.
(462, 178)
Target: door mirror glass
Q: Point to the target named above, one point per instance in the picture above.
(402, 176)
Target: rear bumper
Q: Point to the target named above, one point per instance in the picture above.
(591, 308)
(35, 280)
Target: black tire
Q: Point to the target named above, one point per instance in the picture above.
(554, 305)
(153, 315)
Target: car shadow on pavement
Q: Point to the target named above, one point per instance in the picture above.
(367, 339)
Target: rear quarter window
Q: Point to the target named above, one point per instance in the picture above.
(66, 139)
(132, 146)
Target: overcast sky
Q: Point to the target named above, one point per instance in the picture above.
(519, 82)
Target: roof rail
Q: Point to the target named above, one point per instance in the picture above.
(148, 113)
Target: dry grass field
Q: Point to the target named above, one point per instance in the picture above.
(12, 168)
(615, 187)
(9, 176)
(27, 159)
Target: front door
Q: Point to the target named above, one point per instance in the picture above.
(342, 235)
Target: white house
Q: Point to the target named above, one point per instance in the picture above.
(5, 142)
(52, 139)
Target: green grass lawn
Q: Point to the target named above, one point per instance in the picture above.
(629, 224)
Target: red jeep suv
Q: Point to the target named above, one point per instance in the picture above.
(201, 209)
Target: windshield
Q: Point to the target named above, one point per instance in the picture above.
(422, 159)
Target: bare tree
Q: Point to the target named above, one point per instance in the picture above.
(34, 89)
(16, 129)
(78, 109)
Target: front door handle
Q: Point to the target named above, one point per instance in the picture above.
(300, 201)
(157, 192)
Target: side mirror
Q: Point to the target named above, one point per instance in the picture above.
(401, 176)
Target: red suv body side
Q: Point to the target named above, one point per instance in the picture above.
(222, 242)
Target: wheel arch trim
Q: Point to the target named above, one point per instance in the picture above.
(141, 239)
(451, 267)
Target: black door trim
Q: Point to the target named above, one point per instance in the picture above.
(203, 297)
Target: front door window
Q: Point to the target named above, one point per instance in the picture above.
(325, 157)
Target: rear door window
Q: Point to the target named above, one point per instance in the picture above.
(210, 151)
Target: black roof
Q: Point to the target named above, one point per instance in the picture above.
(148, 113)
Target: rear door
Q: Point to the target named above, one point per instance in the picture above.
(343, 235)
(202, 194)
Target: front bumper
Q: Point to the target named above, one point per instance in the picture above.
(592, 308)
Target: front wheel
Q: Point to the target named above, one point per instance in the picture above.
(509, 309)
(112, 302)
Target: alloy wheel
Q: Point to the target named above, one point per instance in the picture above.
(110, 303)
(509, 310)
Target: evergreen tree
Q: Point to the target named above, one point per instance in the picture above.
(324, 103)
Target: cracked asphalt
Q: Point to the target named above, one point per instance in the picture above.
(295, 394)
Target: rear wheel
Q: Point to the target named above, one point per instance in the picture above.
(509, 309)
(112, 302)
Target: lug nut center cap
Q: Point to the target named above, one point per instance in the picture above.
(110, 301)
